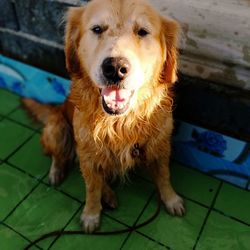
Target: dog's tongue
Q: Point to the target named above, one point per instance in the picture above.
(115, 96)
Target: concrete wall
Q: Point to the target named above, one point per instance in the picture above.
(215, 40)
(32, 32)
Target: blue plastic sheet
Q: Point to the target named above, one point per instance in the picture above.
(213, 153)
(31, 82)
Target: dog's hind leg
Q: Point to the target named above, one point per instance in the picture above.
(108, 196)
(58, 170)
(58, 142)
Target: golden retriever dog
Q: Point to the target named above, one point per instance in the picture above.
(122, 59)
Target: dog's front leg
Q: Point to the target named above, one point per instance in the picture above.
(91, 214)
(173, 202)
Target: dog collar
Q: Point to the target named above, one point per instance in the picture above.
(138, 152)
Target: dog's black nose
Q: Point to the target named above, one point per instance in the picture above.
(115, 69)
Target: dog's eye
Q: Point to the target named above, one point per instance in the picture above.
(142, 32)
(97, 29)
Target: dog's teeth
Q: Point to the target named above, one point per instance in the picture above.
(106, 98)
(121, 106)
(109, 105)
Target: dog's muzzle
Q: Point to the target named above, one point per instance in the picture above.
(116, 101)
(115, 69)
(115, 97)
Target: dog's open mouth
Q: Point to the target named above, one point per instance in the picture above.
(116, 101)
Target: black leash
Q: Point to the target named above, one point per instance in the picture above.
(121, 231)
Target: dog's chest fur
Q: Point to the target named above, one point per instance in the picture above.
(122, 140)
(122, 143)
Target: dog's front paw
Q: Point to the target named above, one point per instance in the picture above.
(175, 205)
(90, 222)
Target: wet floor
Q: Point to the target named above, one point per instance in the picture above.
(218, 214)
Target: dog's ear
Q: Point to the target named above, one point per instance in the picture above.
(170, 33)
(72, 37)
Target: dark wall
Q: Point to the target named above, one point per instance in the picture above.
(218, 107)
(32, 32)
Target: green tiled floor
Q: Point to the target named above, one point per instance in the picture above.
(9, 102)
(12, 136)
(218, 215)
(31, 159)
(224, 233)
(175, 232)
(10, 240)
(92, 242)
(21, 116)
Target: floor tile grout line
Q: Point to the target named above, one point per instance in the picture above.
(25, 172)
(22, 124)
(24, 237)
(61, 191)
(231, 217)
(76, 199)
(152, 239)
(41, 180)
(21, 201)
(216, 210)
(144, 208)
(210, 176)
(7, 117)
(193, 201)
(14, 110)
(150, 199)
(198, 203)
(206, 174)
(207, 215)
(58, 236)
(110, 217)
(180, 193)
(116, 220)
(148, 237)
(138, 217)
(10, 112)
(104, 214)
(19, 147)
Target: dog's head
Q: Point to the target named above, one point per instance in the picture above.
(123, 45)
